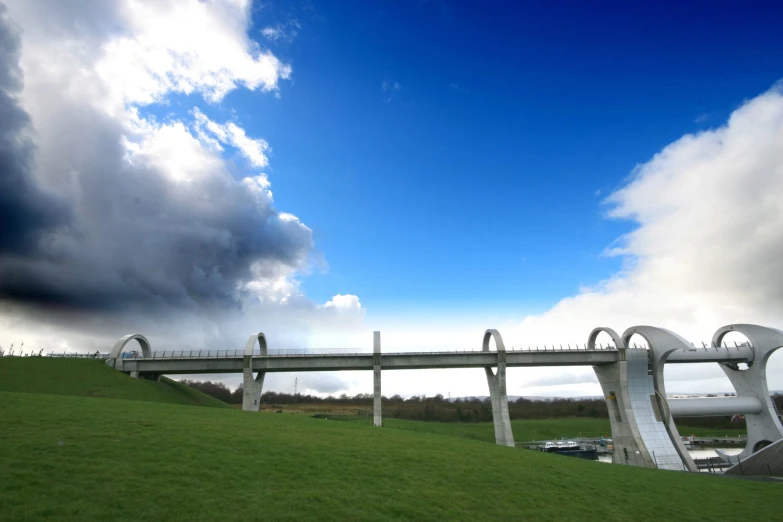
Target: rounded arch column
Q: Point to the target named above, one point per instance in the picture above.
(763, 427)
(115, 355)
(654, 418)
(252, 386)
(497, 390)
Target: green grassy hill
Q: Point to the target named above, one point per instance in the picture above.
(537, 429)
(91, 378)
(77, 458)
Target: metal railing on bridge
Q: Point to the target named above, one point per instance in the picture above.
(79, 355)
(343, 352)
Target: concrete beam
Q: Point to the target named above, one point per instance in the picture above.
(735, 354)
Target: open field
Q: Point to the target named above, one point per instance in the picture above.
(92, 378)
(535, 429)
(77, 458)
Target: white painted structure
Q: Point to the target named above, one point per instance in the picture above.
(642, 418)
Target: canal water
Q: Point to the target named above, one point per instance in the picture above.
(700, 453)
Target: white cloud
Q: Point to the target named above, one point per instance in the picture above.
(287, 31)
(156, 221)
(343, 302)
(231, 134)
(165, 49)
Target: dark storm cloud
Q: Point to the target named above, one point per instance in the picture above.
(25, 211)
(120, 236)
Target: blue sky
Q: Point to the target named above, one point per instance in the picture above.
(475, 178)
(452, 161)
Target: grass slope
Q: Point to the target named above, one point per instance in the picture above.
(537, 429)
(91, 378)
(76, 458)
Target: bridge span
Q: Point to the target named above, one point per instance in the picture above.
(225, 361)
(641, 416)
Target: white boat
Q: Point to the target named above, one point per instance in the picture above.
(548, 447)
(688, 441)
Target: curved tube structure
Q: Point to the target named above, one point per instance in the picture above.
(252, 388)
(715, 406)
(497, 390)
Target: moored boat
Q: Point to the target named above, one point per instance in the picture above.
(570, 449)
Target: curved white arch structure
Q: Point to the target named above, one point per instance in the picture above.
(497, 390)
(661, 343)
(252, 387)
(625, 384)
(616, 339)
(115, 355)
(763, 427)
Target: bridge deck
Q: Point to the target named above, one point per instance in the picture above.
(219, 361)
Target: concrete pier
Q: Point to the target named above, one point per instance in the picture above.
(252, 387)
(625, 413)
(661, 343)
(750, 383)
(377, 418)
(497, 391)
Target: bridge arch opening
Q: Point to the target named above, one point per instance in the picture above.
(492, 339)
(775, 380)
(256, 339)
(602, 340)
(118, 350)
(734, 339)
(637, 340)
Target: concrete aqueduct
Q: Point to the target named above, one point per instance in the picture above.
(641, 416)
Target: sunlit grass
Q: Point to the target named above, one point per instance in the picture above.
(91, 378)
(76, 458)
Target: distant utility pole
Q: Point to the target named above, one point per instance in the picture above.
(296, 384)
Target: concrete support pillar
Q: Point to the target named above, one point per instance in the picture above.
(252, 387)
(377, 419)
(764, 428)
(657, 424)
(614, 378)
(134, 375)
(497, 391)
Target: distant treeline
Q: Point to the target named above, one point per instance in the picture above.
(440, 409)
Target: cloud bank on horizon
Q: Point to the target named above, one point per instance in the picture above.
(115, 220)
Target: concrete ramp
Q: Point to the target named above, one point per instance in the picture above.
(765, 462)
